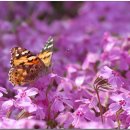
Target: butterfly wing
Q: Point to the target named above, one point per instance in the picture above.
(25, 67)
(20, 56)
(25, 74)
(46, 53)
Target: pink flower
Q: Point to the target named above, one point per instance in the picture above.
(91, 58)
(112, 76)
(30, 124)
(24, 99)
(23, 123)
(8, 104)
(25, 93)
(79, 80)
(3, 90)
(59, 101)
(81, 116)
(65, 119)
(98, 125)
(120, 101)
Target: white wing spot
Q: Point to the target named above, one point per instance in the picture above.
(25, 52)
(31, 58)
(50, 46)
(19, 48)
(17, 55)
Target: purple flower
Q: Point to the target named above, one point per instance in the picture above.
(91, 50)
(31, 124)
(59, 101)
(7, 104)
(3, 90)
(91, 58)
(81, 116)
(113, 77)
(120, 101)
(25, 93)
(24, 99)
(65, 119)
(23, 123)
(79, 80)
(96, 124)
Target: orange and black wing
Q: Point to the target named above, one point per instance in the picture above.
(25, 67)
(46, 54)
(20, 56)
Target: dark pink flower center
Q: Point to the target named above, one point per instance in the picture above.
(80, 112)
(122, 102)
(59, 97)
(23, 94)
(115, 73)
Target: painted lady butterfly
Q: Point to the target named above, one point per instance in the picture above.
(27, 67)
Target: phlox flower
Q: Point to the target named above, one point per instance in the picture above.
(65, 119)
(89, 75)
(2, 90)
(112, 76)
(59, 101)
(90, 59)
(24, 92)
(81, 116)
(98, 125)
(30, 124)
(120, 101)
(24, 99)
(20, 124)
(6, 105)
(7, 123)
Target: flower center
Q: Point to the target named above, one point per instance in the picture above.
(58, 97)
(80, 112)
(115, 73)
(23, 94)
(122, 102)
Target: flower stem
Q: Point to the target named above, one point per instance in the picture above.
(117, 117)
(47, 92)
(100, 106)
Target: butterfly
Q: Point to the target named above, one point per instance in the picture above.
(26, 67)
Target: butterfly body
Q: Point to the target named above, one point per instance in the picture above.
(27, 67)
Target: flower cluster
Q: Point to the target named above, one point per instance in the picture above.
(89, 86)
